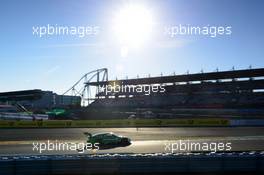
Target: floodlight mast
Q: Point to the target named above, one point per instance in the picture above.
(83, 89)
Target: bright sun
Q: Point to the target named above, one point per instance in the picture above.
(133, 25)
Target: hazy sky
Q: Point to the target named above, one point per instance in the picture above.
(56, 62)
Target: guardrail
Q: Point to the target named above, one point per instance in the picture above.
(251, 162)
(113, 123)
(130, 123)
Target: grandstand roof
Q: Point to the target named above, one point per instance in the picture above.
(20, 95)
(247, 73)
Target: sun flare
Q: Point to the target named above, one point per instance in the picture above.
(133, 25)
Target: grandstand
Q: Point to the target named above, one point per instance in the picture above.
(37, 99)
(236, 93)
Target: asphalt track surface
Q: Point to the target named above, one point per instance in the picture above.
(144, 140)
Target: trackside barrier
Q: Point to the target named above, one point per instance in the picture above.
(243, 162)
(244, 122)
(130, 123)
(113, 123)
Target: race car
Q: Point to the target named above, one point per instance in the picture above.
(107, 140)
